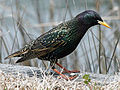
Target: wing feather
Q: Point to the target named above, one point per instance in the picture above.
(44, 44)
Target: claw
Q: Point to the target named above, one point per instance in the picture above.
(68, 78)
(73, 77)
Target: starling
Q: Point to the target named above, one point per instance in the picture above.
(60, 41)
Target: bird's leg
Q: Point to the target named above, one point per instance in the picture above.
(66, 70)
(63, 76)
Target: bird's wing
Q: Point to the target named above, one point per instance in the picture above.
(49, 41)
(44, 44)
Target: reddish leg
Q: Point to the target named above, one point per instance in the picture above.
(66, 70)
(63, 76)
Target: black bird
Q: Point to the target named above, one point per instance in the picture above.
(61, 40)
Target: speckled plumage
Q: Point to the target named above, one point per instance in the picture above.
(59, 41)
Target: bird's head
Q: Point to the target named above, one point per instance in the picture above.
(91, 18)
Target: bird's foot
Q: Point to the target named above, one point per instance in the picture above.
(69, 71)
(64, 76)
(67, 77)
(66, 70)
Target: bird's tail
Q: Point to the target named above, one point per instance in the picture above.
(16, 54)
(22, 59)
(26, 56)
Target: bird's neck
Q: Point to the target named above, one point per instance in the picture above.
(76, 31)
(79, 28)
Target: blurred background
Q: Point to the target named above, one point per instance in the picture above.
(22, 21)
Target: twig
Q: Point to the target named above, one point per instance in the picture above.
(113, 55)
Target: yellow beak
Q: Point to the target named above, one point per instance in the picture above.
(104, 24)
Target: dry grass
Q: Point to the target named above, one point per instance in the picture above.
(23, 82)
